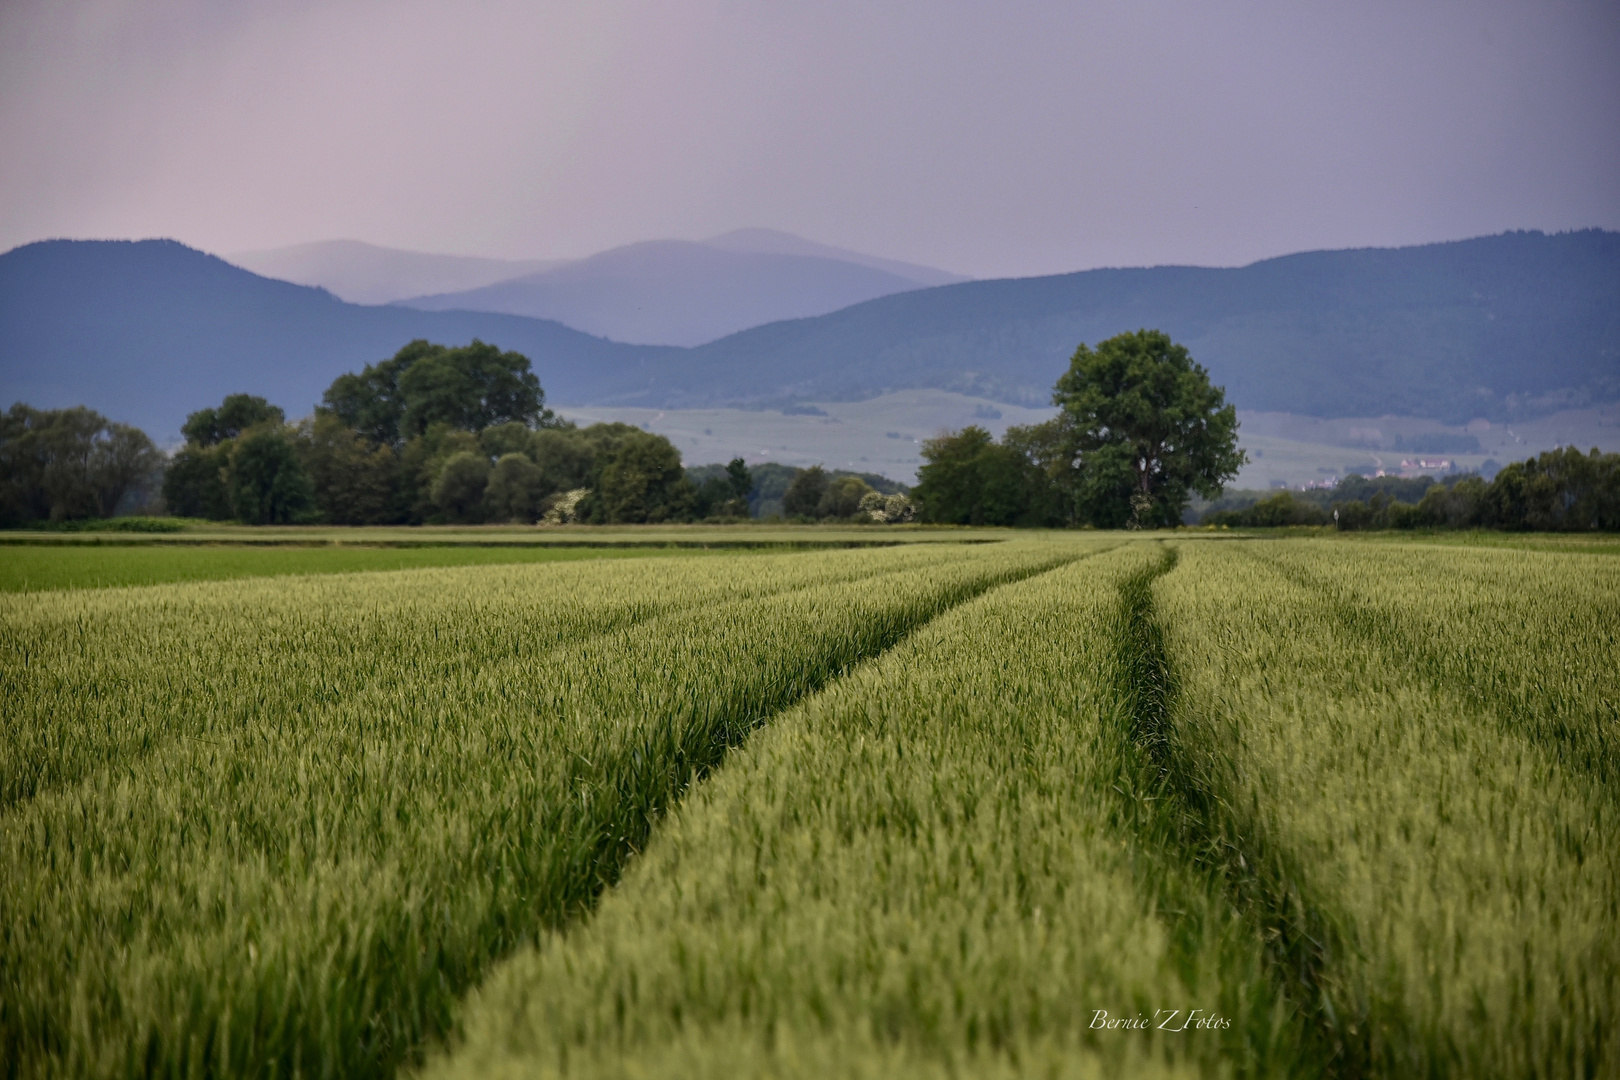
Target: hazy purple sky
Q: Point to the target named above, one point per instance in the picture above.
(986, 138)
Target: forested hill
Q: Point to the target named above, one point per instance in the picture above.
(1487, 327)
(148, 331)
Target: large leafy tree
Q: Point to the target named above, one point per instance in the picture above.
(268, 482)
(237, 413)
(970, 479)
(1137, 407)
(68, 463)
(641, 479)
(469, 388)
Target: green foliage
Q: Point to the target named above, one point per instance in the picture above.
(194, 482)
(354, 480)
(738, 478)
(1556, 491)
(471, 388)
(237, 413)
(842, 498)
(68, 464)
(1138, 402)
(721, 492)
(268, 483)
(969, 479)
(516, 490)
(640, 480)
(458, 488)
(371, 401)
(1276, 511)
(769, 483)
(803, 495)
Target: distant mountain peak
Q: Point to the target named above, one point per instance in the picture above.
(363, 273)
(775, 242)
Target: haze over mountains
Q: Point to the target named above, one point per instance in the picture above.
(367, 274)
(659, 292)
(1496, 327)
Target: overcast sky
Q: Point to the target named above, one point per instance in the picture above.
(986, 138)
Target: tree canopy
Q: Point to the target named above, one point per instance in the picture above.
(470, 388)
(62, 464)
(237, 413)
(1138, 407)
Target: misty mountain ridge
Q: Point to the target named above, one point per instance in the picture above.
(364, 273)
(1495, 327)
(678, 292)
(656, 293)
(147, 331)
(1516, 324)
(775, 242)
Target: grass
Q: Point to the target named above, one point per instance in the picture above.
(924, 870)
(1406, 770)
(285, 825)
(736, 535)
(924, 810)
(32, 569)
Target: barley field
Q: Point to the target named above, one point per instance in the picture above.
(1078, 804)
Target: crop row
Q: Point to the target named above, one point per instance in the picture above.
(924, 870)
(1008, 810)
(278, 828)
(1402, 762)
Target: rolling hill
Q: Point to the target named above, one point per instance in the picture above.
(1497, 327)
(148, 331)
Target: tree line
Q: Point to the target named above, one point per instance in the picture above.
(462, 435)
(431, 435)
(435, 435)
(1139, 431)
(67, 464)
(1559, 490)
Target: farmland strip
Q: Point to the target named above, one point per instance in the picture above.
(1442, 613)
(914, 873)
(1173, 811)
(92, 679)
(309, 889)
(1463, 882)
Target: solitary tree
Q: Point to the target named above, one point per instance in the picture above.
(1139, 408)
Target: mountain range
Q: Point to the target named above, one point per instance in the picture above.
(367, 274)
(659, 292)
(1494, 327)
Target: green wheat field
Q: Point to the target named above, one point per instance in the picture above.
(1055, 805)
